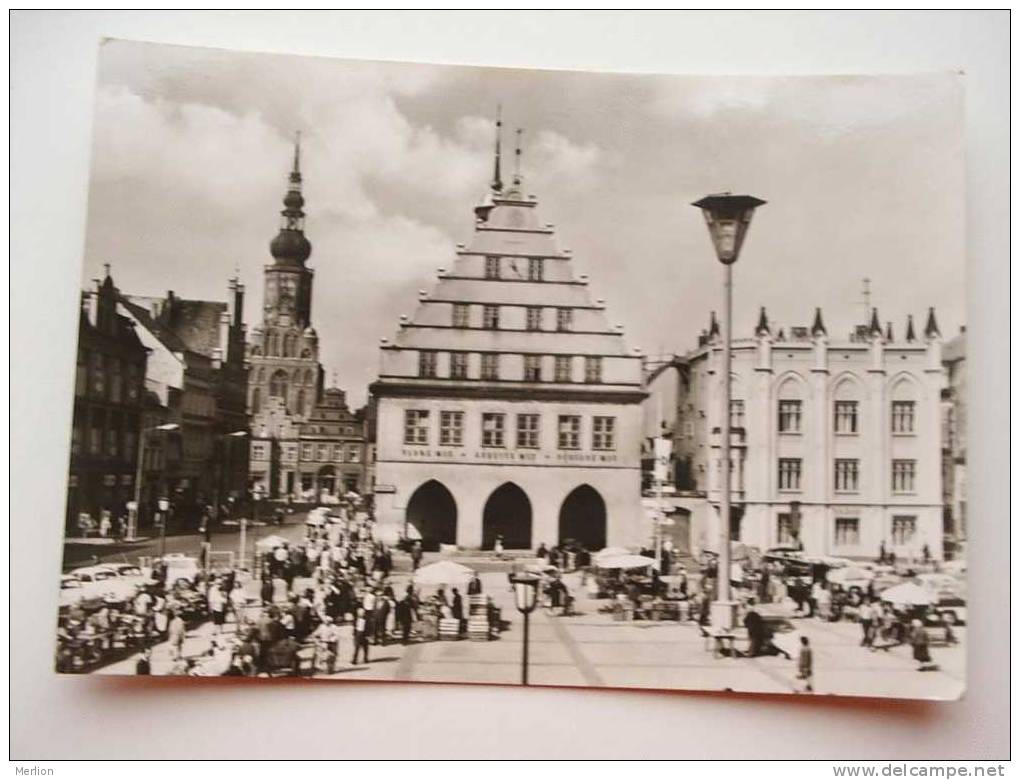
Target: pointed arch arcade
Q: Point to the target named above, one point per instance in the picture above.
(507, 513)
(433, 512)
(583, 518)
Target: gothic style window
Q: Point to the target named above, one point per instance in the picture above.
(532, 368)
(569, 432)
(563, 368)
(789, 473)
(461, 315)
(593, 370)
(98, 376)
(903, 473)
(458, 365)
(451, 429)
(527, 431)
(846, 417)
(490, 365)
(536, 269)
(603, 433)
(300, 401)
(902, 416)
(416, 426)
(492, 268)
(534, 318)
(847, 475)
(789, 416)
(278, 384)
(493, 429)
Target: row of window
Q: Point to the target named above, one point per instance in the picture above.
(428, 361)
(315, 451)
(283, 345)
(106, 378)
(494, 268)
(846, 478)
(104, 438)
(846, 417)
(417, 425)
(847, 531)
(533, 317)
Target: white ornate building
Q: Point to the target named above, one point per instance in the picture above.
(507, 405)
(836, 443)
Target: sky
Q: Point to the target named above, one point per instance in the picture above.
(863, 177)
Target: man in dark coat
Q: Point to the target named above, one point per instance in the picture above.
(457, 609)
(405, 613)
(475, 585)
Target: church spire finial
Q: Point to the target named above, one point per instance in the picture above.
(763, 328)
(517, 158)
(818, 327)
(497, 179)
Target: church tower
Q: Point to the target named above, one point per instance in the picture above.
(285, 377)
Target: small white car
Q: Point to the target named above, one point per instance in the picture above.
(104, 582)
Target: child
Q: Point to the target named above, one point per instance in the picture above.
(806, 665)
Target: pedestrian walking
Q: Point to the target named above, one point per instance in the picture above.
(919, 642)
(806, 665)
(360, 637)
(217, 602)
(867, 617)
(176, 632)
(144, 664)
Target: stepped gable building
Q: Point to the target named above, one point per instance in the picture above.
(305, 443)
(835, 442)
(507, 405)
(108, 397)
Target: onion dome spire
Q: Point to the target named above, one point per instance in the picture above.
(875, 327)
(931, 328)
(290, 247)
(911, 336)
(818, 327)
(497, 179)
(763, 324)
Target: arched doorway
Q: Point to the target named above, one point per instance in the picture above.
(583, 518)
(507, 513)
(326, 481)
(433, 512)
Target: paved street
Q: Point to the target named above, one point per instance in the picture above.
(591, 649)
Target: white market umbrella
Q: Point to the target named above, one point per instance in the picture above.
(315, 520)
(609, 552)
(628, 561)
(269, 542)
(907, 594)
(442, 573)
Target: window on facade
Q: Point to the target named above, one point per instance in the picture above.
(461, 315)
(848, 532)
(603, 433)
(493, 431)
(536, 269)
(847, 475)
(258, 451)
(451, 429)
(300, 401)
(903, 529)
(902, 416)
(784, 529)
(569, 432)
(491, 267)
(564, 319)
(534, 318)
(490, 316)
(98, 376)
(563, 368)
(76, 437)
(129, 445)
(322, 452)
(111, 440)
(353, 453)
(133, 382)
(736, 414)
(416, 426)
(532, 368)
(95, 438)
(338, 453)
(846, 417)
(527, 431)
(81, 377)
(903, 473)
(116, 381)
(593, 369)
(490, 365)
(307, 452)
(256, 400)
(458, 365)
(426, 363)
(789, 473)
(789, 416)
(278, 384)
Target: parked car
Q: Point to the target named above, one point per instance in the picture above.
(104, 582)
(73, 592)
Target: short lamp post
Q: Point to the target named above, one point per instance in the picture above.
(525, 587)
(164, 506)
(728, 217)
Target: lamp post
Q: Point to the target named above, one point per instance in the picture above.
(164, 506)
(728, 217)
(525, 587)
(132, 529)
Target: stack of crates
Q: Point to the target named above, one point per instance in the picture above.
(449, 629)
(478, 618)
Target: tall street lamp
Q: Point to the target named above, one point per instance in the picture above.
(728, 217)
(132, 529)
(525, 586)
